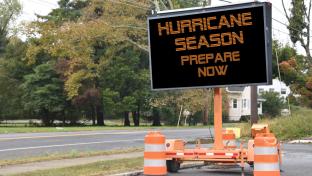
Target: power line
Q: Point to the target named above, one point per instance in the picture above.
(299, 31)
(280, 31)
(278, 10)
(119, 2)
(136, 3)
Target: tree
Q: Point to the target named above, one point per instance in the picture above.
(281, 53)
(44, 93)
(12, 70)
(67, 11)
(76, 53)
(9, 10)
(299, 24)
(125, 76)
(273, 103)
(294, 71)
(106, 70)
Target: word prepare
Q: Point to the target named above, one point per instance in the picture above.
(208, 33)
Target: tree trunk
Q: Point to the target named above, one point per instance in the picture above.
(46, 118)
(126, 120)
(92, 113)
(136, 117)
(64, 117)
(99, 116)
(156, 118)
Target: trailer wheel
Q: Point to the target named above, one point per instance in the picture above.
(251, 164)
(173, 166)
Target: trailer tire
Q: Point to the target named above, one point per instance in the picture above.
(173, 166)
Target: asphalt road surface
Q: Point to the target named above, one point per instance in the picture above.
(13, 146)
(297, 158)
(297, 161)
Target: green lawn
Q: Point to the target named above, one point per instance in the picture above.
(69, 155)
(94, 169)
(8, 130)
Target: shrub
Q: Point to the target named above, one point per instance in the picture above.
(245, 118)
(273, 104)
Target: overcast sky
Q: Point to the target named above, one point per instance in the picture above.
(280, 32)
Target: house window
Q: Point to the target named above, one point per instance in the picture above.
(283, 91)
(261, 90)
(271, 89)
(259, 105)
(244, 103)
(234, 103)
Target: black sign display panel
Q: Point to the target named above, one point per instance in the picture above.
(211, 47)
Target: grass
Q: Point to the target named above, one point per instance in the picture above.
(298, 125)
(93, 169)
(9, 130)
(70, 155)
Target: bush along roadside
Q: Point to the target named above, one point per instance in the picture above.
(296, 126)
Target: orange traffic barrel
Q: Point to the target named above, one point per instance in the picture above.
(155, 154)
(228, 138)
(266, 157)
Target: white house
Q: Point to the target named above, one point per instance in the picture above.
(239, 102)
(239, 98)
(277, 86)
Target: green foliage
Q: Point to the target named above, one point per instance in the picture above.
(273, 103)
(43, 92)
(280, 53)
(178, 4)
(125, 80)
(297, 22)
(295, 72)
(67, 11)
(9, 10)
(12, 70)
(91, 57)
(295, 127)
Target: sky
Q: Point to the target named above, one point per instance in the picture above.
(32, 7)
(280, 32)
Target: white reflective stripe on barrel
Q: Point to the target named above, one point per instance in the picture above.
(266, 167)
(209, 154)
(180, 154)
(154, 147)
(229, 154)
(154, 163)
(265, 150)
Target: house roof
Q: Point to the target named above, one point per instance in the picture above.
(236, 89)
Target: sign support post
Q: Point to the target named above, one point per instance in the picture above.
(218, 144)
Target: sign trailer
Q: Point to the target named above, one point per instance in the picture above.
(211, 47)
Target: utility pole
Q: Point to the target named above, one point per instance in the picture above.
(253, 102)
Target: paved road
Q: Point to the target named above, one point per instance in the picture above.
(297, 161)
(14, 146)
